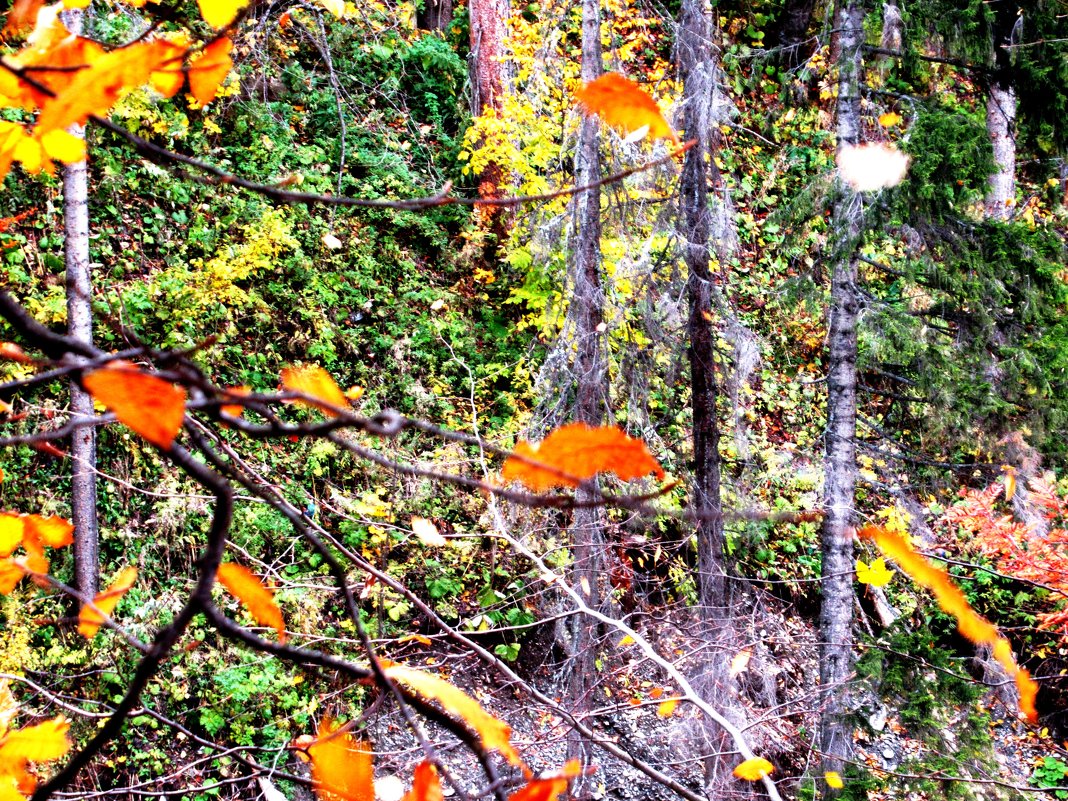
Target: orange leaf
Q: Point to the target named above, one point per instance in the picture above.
(95, 90)
(495, 733)
(575, 452)
(426, 786)
(152, 407)
(1010, 481)
(243, 584)
(236, 409)
(38, 743)
(1028, 690)
(341, 766)
(667, 708)
(22, 16)
(90, 620)
(169, 77)
(313, 381)
(9, 350)
(953, 602)
(625, 105)
(10, 576)
(548, 788)
(753, 770)
(210, 69)
(53, 531)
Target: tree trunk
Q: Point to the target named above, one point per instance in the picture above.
(698, 71)
(80, 328)
(489, 28)
(587, 314)
(1001, 117)
(433, 15)
(788, 32)
(836, 610)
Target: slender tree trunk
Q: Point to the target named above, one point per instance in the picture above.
(80, 327)
(789, 31)
(489, 28)
(1001, 116)
(587, 314)
(433, 15)
(836, 611)
(697, 67)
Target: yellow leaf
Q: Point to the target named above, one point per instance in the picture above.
(313, 381)
(210, 69)
(628, 640)
(90, 620)
(341, 766)
(834, 779)
(623, 104)
(426, 786)
(427, 532)
(877, 574)
(244, 585)
(495, 733)
(575, 452)
(11, 529)
(220, 13)
(152, 407)
(889, 119)
(38, 743)
(753, 770)
(666, 709)
(740, 661)
(1010, 481)
(335, 7)
(64, 146)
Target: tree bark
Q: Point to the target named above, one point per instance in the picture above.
(1001, 116)
(836, 610)
(698, 71)
(80, 327)
(587, 314)
(433, 15)
(789, 30)
(489, 28)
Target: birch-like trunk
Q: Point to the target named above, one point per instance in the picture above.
(836, 610)
(1001, 127)
(80, 328)
(587, 314)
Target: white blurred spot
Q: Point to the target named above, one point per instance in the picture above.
(870, 167)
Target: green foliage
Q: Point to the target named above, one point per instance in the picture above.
(1051, 772)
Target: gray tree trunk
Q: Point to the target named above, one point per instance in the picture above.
(587, 314)
(836, 610)
(80, 327)
(698, 71)
(1001, 119)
